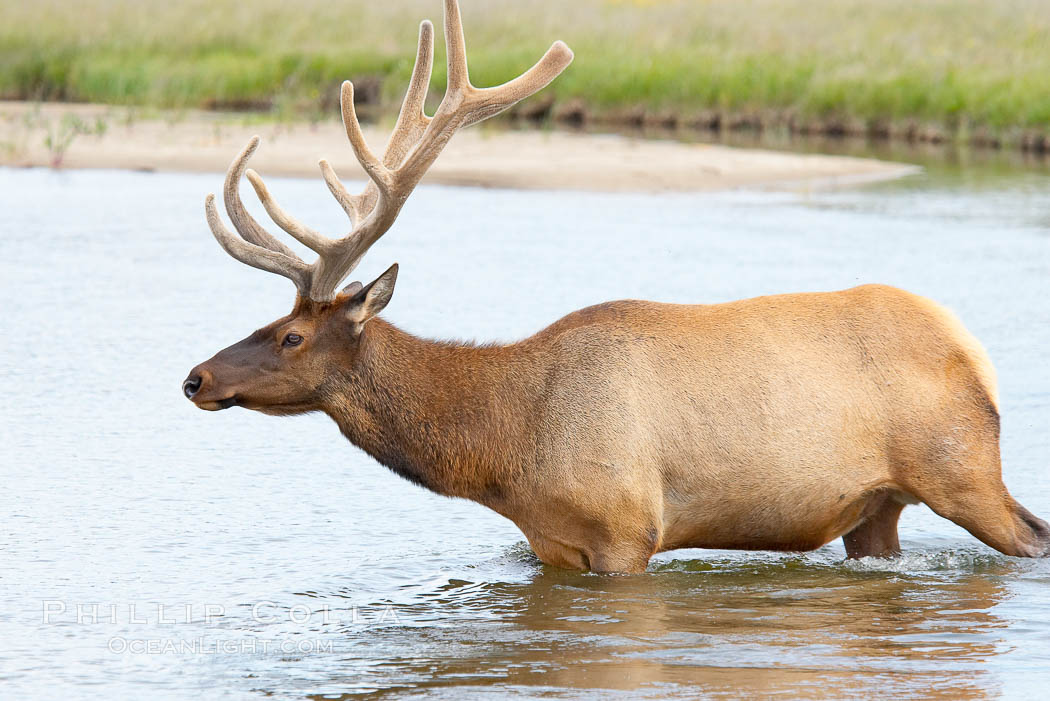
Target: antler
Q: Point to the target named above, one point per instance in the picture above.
(414, 145)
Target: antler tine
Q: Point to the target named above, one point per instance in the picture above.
(254, 255)
(243, 222)
(302, 233)
(496, 99)
(379, 173)
(411, 122)
(455, 50)
(351, 204)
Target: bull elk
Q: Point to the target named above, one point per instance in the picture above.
(627, 428)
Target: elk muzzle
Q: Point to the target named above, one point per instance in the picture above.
(199, 387)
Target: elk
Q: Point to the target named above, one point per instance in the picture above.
(631, 427)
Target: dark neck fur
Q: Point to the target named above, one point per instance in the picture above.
(453, 418)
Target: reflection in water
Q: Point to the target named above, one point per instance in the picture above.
(794, 625)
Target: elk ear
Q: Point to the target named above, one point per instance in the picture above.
(352, 289)
(372, 298)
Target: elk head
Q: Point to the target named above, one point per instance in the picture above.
(282, 368)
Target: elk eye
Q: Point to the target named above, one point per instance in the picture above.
(293, 339)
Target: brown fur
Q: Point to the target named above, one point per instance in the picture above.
(629, 428)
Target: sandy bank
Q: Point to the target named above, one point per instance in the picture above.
(34, 135)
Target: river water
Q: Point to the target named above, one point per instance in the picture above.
(310, 570)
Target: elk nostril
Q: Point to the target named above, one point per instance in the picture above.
(191, 386)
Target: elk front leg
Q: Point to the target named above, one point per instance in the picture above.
(619, 557)
(558, 554)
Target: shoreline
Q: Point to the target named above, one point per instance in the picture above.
(713, 122)
(99, 136)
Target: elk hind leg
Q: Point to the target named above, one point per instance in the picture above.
(997, 520)
(957, 472)
(977, 500)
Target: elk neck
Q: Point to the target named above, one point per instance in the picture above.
(454, 418)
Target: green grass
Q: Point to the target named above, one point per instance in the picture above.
(955, 64)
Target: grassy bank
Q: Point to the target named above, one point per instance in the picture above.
(973, 70)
